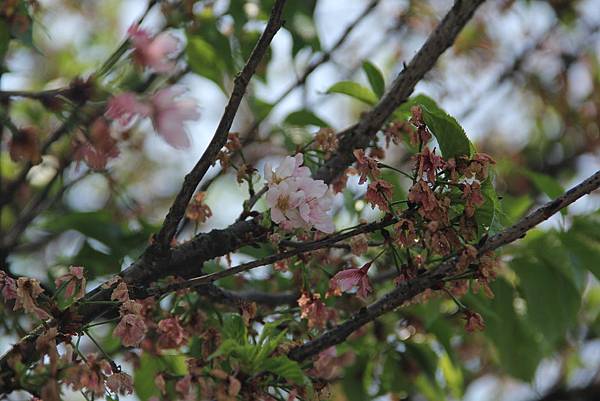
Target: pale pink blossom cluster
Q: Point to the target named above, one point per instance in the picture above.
(165, 108)
(295, 199)
(156, 52)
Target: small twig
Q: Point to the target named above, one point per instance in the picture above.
(192, 179)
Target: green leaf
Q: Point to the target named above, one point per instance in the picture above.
(234, 328)
(149, 367)
(355, 90)
(375, 78)
(518, 350)
(545, 184)
(204, 60)
(260, 108)
(453, 376)
(488, 215)
(305, 117)
(552, 299)
(583, 252)
(286, 368)
(450, 135)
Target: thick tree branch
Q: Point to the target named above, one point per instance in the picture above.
(192, 179)
(433, 278)
(300, 249)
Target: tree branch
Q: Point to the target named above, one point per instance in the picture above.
(361, 134)
(407, 290)
(192, 179)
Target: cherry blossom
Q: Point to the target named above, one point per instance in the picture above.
(366, 166)
(314, 310)
(9, 286)
(347, 279)
(120, 383)
(131, 330)
(28, 290)
(379, 193)
(124, 108)
(428, 163)
(89, 375)
(289, 167)
(167, 110)
(154, 53)
(296, 200)
(74, 280)
(169, 114)
(328, 364)
(474, 321)
(98, 148)
(172, 334)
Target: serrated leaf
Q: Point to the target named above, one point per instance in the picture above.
(375, 78)
(488, 215)
(234, 328)
(354, 90)
(204, 60)
(450, 135)
(305, 117)
(286, 368)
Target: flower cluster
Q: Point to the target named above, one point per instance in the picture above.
(315, 311)
(131, 329)
(295, 199)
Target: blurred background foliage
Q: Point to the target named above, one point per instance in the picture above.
(522, 79)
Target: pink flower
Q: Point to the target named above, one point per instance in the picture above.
(328, 364)
(169, 114)
(155, 53)
(28, 290)
(172, 334)
(295, 199)
(120, 383)
(124, 107)
(9, 286)
(99, 147)
(131, 330)
(184, 386)
(74, 280)
(289, 167)
(284, 199)
(314, 310)
(347, 279)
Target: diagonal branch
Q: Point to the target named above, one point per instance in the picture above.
(361, 134)
(192, 179)
(407, 290)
